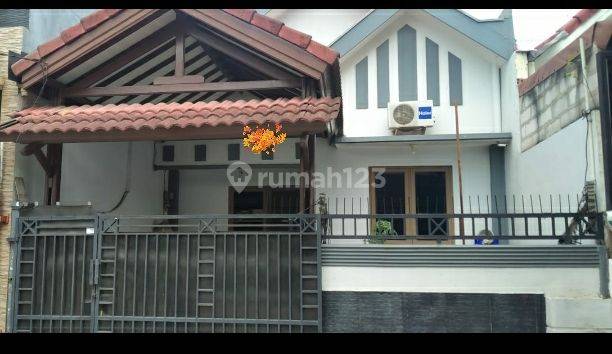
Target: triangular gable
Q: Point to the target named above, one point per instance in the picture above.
(263, 34)
(497, 35)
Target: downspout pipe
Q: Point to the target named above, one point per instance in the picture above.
(587, 108)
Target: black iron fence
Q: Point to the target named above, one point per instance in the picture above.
(213, 273)
(221, 273)
(483, 228)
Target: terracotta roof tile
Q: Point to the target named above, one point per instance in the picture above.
(67, 36)
(287, 33)
(41, 120)
(267, 23)
(243, 14)
(322, 52)
(23, 64)
(72, 33)
(50, 46)
(294, 36)
(92, 20)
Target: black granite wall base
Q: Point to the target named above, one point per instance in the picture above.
(432, 312)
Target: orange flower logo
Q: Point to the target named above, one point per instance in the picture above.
(263, 139)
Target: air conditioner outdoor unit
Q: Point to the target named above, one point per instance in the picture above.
(410, 114)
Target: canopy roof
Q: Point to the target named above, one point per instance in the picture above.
(166, 121)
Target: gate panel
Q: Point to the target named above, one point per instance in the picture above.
(53, 278)
(239, 273)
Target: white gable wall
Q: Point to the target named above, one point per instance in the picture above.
(324, 25)
(480, 112)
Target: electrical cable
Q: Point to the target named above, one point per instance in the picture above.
(128, 178)
(45, 70)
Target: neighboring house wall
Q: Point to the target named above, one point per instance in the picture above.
(480, 110)
(45, 24)
(557, 102)
(10, 39)
(550, 153)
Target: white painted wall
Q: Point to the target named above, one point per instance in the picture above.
(96, 172)
(480, 112)
(475, 173)
(324, 25)
(567, 282)
(216, 153)
(555, 166)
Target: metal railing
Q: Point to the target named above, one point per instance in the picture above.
(219, 273)
(564, 228)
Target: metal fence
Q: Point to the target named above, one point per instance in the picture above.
(473, 203)
(213, 273)
(563, 228)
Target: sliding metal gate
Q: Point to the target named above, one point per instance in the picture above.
(217, 273)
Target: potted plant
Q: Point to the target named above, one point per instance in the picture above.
(383, 229)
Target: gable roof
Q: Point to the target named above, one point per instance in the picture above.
(252, 17)
(495, 35)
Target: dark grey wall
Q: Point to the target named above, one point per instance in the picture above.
(432, 312)
(407, 63)
(382, 74)
(14, 17)
(497, 163)
(361, 83)
(432, 68)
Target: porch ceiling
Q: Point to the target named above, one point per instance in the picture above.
(166, 121)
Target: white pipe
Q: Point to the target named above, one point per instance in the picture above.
(584, 75)
(587, 107)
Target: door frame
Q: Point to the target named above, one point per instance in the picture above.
(409, 192)
(266, 190)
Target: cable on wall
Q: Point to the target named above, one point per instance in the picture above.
(128, 178)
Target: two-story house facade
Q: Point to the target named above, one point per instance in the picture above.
(418, 55)
(139, 206)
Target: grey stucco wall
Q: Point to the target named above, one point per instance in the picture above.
(46, 24)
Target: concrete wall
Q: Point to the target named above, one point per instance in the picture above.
(480, 111)
(556, 102)
(552, 282)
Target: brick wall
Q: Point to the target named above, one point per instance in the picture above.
(556, 102)
(11, 38)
